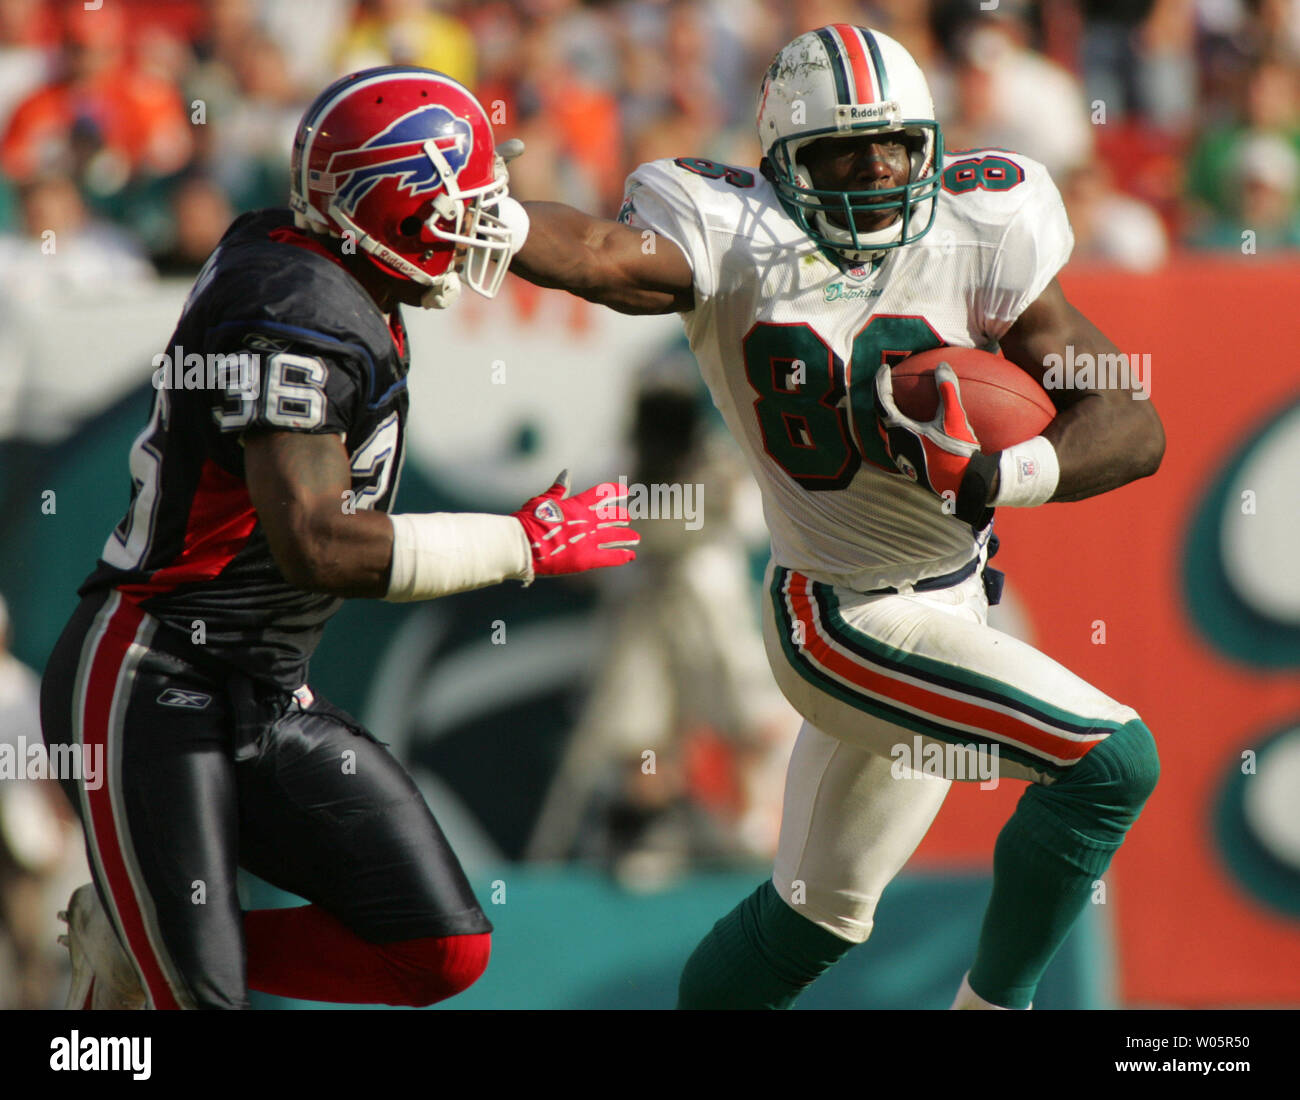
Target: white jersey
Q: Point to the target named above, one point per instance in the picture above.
(789, 342)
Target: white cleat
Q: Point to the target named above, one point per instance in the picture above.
(102, 974)
(967, 998)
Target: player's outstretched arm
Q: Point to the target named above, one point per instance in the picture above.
(603, 261)
(1104, 437)
(300, 485)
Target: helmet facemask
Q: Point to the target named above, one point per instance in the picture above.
(830, 217)
(464, 218)
(479, 241)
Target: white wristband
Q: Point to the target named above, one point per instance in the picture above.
(445, 552)
(1027, 474)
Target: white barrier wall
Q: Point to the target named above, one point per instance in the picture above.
(535, 365)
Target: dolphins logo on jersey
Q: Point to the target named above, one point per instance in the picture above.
(399, 151)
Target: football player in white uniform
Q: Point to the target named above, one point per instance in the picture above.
(857, 242)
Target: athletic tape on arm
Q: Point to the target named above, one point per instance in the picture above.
(441, 553)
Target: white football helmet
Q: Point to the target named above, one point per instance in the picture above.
(838, 81)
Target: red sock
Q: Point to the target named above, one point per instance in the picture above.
(305, 953)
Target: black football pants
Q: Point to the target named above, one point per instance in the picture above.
(203, 773)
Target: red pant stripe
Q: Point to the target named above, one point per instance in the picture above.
(106, 687)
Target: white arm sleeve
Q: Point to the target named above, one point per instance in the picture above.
(445, 552)
(656, 197)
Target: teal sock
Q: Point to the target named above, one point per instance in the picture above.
(1042, 878)
(1057, 844)
(762, 954)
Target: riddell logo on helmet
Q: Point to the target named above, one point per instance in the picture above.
(848, 115)
(400, 151)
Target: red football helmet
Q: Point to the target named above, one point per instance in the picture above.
(402, 159)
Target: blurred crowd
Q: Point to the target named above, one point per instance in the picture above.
(138, 128)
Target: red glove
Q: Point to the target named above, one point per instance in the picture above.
(574, 534)
(942, 453)
(936, 452)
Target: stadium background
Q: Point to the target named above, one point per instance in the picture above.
(1173, 129)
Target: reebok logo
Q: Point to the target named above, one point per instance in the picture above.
(549, 512)
(187, 700)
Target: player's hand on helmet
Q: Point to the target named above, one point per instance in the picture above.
(937, 453)
(574, 534)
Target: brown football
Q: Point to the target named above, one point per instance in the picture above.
(1005, 406)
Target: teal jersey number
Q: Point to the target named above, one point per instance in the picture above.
(805, 392)
(712, 170)
(800, 407)
(984, 174)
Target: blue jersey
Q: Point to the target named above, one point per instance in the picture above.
(276, 335)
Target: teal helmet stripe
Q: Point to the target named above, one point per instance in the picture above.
(877, 61)
(839, 68)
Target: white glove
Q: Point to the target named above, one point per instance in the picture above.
(511, 214)
(515, 218)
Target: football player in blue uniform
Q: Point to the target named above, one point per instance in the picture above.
(262, 489)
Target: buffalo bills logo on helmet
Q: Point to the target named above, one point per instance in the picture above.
(399, 151)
